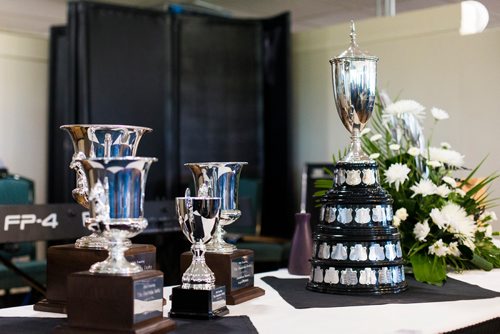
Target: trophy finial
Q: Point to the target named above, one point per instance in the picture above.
(353, 33)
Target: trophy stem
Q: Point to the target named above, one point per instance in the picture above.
(217, 244)
(356, 153)
(198, 276)
(116, 263)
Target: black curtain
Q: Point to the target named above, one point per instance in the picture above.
(212, 88)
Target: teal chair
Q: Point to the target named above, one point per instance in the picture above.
(270, 253)
(18, 190)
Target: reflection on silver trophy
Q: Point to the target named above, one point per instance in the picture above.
(354, 77)
(116, 200)
(219, 179)
(197, 218)
(98, 141)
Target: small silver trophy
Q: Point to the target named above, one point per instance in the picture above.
(354, 77)
(116, 199)
(219, 179)
(198, 218)
(98, 141)
(198, 296)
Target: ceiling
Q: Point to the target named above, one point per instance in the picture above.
(36, 16)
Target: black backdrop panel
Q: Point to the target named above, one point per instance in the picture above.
(220, 92)
(212, 88)
(122, 71)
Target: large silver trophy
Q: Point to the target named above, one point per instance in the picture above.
(356, 250)
(198, 296)
(354, 77)
(116, 199)
(98, 141)
(219, 179)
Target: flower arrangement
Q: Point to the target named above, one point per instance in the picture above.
(443, 224)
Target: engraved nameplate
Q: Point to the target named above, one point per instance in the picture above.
(218, 297)
(148, 298)
(242, 270)
(146, 260)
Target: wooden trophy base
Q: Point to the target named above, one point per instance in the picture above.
(235, 271)
(198, 304)
(101, 303)
(64, 260)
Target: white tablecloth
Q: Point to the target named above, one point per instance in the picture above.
(271, 314)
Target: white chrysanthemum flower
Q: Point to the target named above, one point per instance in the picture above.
(365, 131)
(438, 248)
(376, 137)
(439, 114)
(394, 147)
(449, 157)
(405, 107)
(414, 151)
(374, 155)
(453, 218)
(401, 213)
(424, 187)
(468, 242)
(451, 181)
(396, 221)
(487, 216)
(489, 231)
(443, 191)
(434, 163)
(421, 230)
(459, 192)
(397, 173)
(453, 249)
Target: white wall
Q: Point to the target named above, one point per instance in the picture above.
(23, 107)
(422, 57)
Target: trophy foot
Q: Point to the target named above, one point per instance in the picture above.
(115, 267)
(93, 241)
(220, 247)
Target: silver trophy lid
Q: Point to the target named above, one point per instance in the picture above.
(353, 51)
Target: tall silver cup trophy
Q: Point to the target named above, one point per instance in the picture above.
(354, 77)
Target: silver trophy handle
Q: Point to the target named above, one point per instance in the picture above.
(81, 192)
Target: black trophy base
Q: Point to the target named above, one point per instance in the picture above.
(103, 303)
(365, 291)
(161, 325)
(63, 260)
(198, 304)
(235, 271)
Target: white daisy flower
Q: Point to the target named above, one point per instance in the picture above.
(443, 191)
(424, 187)
(489, 231)
(376, 137)
(421, 230)
(453, 249)
(446, 156)
(438, 248)
(405, 107)
(439, 114)
(468, 242)
(414, 151)
(374, 156)
(434, 163)
(454, 219)
(451, 181)
(396, 221)
(365, 131)
(401, 213)
(445, 145)
(397, 173)
(460, 192)
(394, 147)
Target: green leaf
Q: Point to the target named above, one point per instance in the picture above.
(481, 263)
(428, 269)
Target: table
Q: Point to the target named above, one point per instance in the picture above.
(271, 314)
